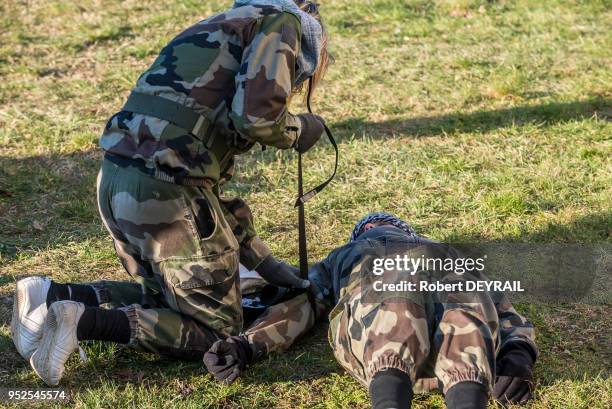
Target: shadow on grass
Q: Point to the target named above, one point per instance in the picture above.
(479, 121)
(473, 122)
(47, 201)
(591, 228)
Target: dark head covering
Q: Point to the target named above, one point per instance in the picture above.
(379, 217)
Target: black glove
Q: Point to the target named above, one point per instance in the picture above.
(280, 274)
(227, 358)
(312, 129)
(514, 381)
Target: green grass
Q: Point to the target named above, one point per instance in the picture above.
(474, 120)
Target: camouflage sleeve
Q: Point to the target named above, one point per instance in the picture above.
(282, 324)
(320, 277)
(265, 81)
(240, 218)
(513, 327)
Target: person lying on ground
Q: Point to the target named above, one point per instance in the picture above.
(466, 345)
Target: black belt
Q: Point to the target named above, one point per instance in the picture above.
(158, 173)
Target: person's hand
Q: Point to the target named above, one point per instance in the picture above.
(319, 292)
(514, 381)
(227, 358)
(280, 273)
(313, 127)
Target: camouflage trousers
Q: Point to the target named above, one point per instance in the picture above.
(437, 345)
(158, 329)
(175, 241)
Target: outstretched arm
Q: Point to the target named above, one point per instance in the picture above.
(276, 330)
(517, 355)
(282, 324)
(254, 254)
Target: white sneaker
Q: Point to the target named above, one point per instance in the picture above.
(29, 314)
(59, 340)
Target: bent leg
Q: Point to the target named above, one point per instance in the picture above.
(175, 241)
(465, 346)
(152, 328)
(116, 294)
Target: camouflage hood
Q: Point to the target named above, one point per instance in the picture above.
(312, 34)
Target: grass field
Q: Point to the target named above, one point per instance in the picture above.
(473, 120)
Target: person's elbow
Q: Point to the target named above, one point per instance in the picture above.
(264, 131)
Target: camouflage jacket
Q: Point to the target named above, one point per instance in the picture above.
(341, 270)
(236, 68)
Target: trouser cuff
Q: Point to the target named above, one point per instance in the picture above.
(465, 376)
(390, 362)
(101, 292)
(132, 316)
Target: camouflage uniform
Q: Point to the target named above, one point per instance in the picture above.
(437, 342)
(183, 244)
(237, 69)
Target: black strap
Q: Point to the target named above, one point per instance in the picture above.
(303, 198)
(302, 247)
(158, 173)
(171, 111)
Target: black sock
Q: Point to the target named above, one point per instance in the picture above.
(467, 395)
(76, 292)
(391, 388)
(104, 325)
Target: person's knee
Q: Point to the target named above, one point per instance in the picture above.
(398, 331)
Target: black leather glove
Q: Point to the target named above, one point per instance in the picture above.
(228, 358)
(312, 129)
(514, 381)
(280, 274)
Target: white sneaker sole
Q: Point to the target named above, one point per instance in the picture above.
(26, 332)
(58, 342)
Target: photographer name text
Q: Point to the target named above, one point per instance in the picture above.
(437, 286)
